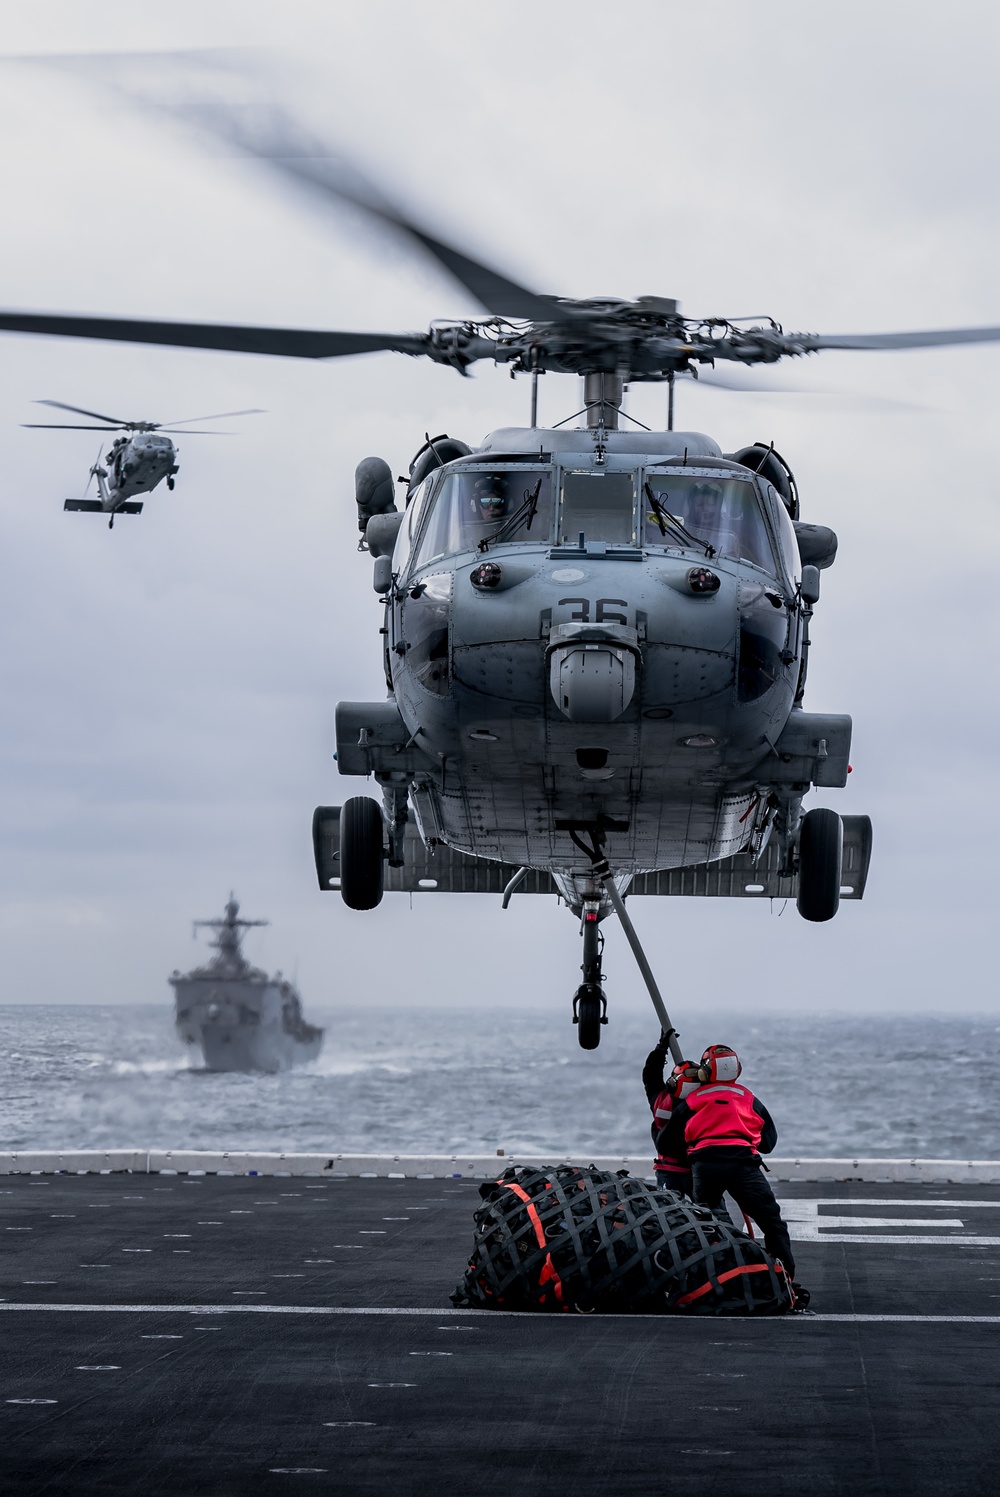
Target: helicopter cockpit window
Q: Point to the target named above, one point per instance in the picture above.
(498, 504)
(786, 535)
(722, 512)
(410, 527)
(598, 506)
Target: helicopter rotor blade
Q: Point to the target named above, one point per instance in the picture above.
(713, 382)
(293, 343)
(280, 144)
(936, 338)
(269, 135)
(78, 410)
(841, 399)
(218, 416)
(176, 431)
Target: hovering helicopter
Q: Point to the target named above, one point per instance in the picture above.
(595, 640)
(136, 463)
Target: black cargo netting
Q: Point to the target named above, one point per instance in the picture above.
(563, 1238)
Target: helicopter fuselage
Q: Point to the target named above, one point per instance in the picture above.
(135, 465)
(596, 630)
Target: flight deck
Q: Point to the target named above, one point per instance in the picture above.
(169, 1334)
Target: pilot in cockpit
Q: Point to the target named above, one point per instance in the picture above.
(116, 458)
(490, 497)
(705, 517)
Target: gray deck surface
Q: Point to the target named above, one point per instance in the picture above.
(232, 1399)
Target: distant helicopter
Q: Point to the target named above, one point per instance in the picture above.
(135, 463)
(595, 641)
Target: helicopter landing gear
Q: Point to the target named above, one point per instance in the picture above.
(361, 853)
(821, 849)
(590, 1011)
(593, 944)
(170, 481)
(590, 1007)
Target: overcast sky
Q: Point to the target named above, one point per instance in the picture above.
(168, 690)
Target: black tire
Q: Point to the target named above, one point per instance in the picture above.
(589, 1017)
(821, 852)
(361, 860)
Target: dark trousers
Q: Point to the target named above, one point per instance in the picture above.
(745, 1182)
(679, 1180)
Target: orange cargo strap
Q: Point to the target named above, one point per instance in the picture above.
(548, 1270)
(732, 1273)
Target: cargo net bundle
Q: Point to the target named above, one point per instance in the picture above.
(562, 1238)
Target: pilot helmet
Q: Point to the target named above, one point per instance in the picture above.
(706, 492)
(490, 491)
(720, 1063)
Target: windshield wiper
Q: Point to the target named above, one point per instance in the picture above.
(525, 513)
(663, 519)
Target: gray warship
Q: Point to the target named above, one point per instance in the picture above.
(242, 1019)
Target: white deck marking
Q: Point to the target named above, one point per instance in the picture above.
(887, 1201)
(898, 1237)
(710, 1323)
(915, 1319)
(807, 1224)
(876, 1221)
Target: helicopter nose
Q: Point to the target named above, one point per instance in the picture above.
(590, 682)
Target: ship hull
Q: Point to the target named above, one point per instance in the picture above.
(225, 1048)
(243, 1025)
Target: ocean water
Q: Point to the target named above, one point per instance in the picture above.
(449, 1082)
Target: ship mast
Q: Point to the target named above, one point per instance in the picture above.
(230, 930)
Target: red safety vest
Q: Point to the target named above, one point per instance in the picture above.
(666, 1164)
(722, 1115)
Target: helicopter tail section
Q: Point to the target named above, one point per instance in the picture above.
(95, 507)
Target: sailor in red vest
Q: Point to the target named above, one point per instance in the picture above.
(671, 1167)
(725, 1129)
